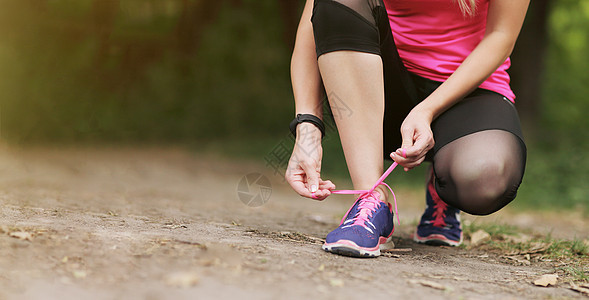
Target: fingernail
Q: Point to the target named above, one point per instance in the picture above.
(313, 188)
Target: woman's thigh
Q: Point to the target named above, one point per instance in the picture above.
(480, 155)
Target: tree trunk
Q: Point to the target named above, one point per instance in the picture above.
(103, 15)
(291, 14)
(528, 62)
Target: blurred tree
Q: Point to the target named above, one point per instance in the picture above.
(57, 56)
(291, 13)
(104, 14)
(193, 20)
(528, 61)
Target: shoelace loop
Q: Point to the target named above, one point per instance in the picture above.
(370, 192)
(364, 193)
(365, 208)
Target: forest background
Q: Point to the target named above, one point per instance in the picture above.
(214, 76)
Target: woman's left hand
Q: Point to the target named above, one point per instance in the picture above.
(418, 139)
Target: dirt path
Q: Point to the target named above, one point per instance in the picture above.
(166, 224)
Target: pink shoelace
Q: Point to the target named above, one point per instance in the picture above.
(439, 206)
(368, 205)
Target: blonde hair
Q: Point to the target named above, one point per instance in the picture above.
(468, 7)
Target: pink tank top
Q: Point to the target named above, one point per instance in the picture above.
(434, 37)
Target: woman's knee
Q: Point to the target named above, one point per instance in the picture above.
(485, 186)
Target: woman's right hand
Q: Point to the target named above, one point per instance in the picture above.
(304, 166)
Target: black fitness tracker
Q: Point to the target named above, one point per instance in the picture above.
(301, 118)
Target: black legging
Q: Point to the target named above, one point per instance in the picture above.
(479, 156)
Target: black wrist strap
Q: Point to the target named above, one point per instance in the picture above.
(301, 118)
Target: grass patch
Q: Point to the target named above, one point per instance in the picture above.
(491, 228)
(569, 258)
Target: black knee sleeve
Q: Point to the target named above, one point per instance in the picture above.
(337, 27)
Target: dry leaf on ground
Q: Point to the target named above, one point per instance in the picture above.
(546, 280)
(23, 235)
(519, 238)
(583, 289)
(388, 254)
(523, 262)
(428, 283)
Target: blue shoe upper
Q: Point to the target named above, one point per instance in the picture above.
(439, 217)
(367, 221)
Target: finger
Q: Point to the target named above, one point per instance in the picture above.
(408, 147)
(400, 156)
(312, 177)
(295, 178)
(407, 135)
(422, 145)
(300, 188)
(324, 191)
(326, 185)
(407, 163)
(321, 194)
(409, 152)
(402, 152)
(409, 166)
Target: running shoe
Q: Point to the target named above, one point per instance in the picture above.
(365, 228)
(440, 223)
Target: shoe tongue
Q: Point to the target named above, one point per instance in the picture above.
(366, 201)
(372, 197)
(367, 205)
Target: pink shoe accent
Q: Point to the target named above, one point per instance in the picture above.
(440, 206)
(437, 237)
(352, 245)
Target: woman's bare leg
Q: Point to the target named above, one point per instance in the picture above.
(354, 81)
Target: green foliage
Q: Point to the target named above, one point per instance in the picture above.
(558, 166)
(494, 229)
(566, 89)
(243, 73)
(556, 176)
(61, 81)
